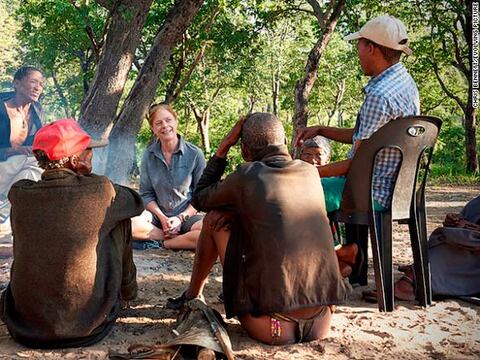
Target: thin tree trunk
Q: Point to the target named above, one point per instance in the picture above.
(176, 86)
(275, 90)
(129, 121)
(61, 95)
(338, 100)
(203, 120)
(470, 122)
(204, 126)
(99, 107)
(304, 86)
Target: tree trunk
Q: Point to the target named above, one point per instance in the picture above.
(203, 125)
(99, 107)
(129, 121)
(61, 95)
(175, 88)
(338, 101)
(275, 90)
(304, 86)
(470, 124)
(203, 122)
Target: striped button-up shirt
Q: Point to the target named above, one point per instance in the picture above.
(388, 96)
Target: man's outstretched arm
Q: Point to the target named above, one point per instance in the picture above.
(337, 168)
(337, 134)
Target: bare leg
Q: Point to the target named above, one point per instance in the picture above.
(141, 227)
(187, 241)
(404, 288)
(211, 245)
(156, 234)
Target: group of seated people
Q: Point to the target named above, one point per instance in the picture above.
(266, 222)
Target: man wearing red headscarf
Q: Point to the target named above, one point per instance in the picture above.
(73, 263)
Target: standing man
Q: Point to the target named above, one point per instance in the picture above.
(391, 93)
(73, 260)
(20, 119)
(280, 273)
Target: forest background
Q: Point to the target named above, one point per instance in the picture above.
(106, 61)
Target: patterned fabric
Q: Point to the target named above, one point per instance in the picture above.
(388, 96)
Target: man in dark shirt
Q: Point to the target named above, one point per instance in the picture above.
(72, 246)
(281, 277)
(20, 119)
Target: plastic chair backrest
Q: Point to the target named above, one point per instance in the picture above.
(411, 135)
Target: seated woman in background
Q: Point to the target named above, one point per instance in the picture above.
(170, 170)
(316, 151)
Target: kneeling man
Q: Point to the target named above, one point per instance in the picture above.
(72, 246)
(281, 276)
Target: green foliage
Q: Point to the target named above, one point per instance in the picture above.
(53, 36)
(9, 47)
(250, 46)
(449, 157)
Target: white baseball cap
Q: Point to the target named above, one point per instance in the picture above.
(386, 31)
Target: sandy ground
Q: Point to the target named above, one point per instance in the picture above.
(446, 330)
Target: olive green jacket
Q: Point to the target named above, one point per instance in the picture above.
(72, 258)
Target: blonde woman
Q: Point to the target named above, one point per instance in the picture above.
(170, 170)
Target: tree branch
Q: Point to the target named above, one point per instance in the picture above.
(330, 9)
(89, 31)
(174, 94)
(318, 12)
(107, 4)
(61, 94)
(459, 64)
(445, 89)
(191, 68)
(435, 105)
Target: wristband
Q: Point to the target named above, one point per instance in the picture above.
(183, 217)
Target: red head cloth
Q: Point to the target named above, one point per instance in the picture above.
(63, 138)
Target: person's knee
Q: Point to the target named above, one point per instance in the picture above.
(217, 220)
(210, 220)
(156, 233)
(197, 226)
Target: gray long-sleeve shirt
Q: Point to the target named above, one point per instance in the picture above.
(171, 186)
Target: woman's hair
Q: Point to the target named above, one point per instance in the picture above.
(24, 71)
(319, 142)
(45, 163)
(157, 107)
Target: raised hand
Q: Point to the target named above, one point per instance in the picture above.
(231, 138)
(305, 133)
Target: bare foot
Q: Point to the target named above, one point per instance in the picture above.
(405, 287)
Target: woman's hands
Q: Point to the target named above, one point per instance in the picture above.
(170, 225)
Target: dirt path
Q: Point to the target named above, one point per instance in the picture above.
(447, 330)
